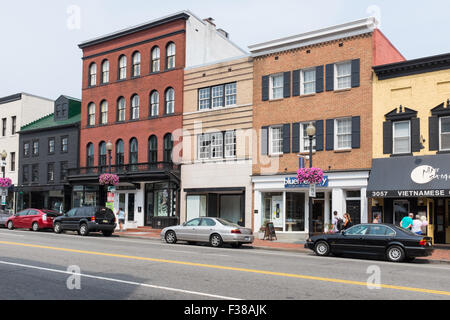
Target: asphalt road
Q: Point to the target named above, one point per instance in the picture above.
(47, 266)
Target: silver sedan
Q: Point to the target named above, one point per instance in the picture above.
(214, 231)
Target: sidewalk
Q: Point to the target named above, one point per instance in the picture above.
(441, 254)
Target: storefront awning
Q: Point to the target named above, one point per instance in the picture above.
(410, 177)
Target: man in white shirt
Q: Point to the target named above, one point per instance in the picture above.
(334, 222)
(417, 225)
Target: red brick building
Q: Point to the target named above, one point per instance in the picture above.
(133, 97)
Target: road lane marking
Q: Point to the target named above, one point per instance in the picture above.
(254, 271)
(10, 234)
(120, 281)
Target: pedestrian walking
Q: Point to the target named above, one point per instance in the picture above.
(424, 225)
(407, 222)
(417, 225)
(336, 222)
(121, 217)
(376, 219)
(347, 222)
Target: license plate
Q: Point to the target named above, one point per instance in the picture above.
(105, 221)
(247, 238)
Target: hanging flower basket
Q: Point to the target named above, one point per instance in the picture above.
(109, 179)
(310, 175)
(5, 182)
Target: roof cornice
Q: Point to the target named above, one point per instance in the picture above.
(11, 98)
(184, 15)
(342, 31)
(411, 67)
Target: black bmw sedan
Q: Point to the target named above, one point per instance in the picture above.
(381, 240)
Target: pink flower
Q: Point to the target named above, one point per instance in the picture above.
(310, 175)
(5, 182)
(109, 179)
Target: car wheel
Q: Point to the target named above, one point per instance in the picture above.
(107, 233)
(216, 241)
(57, 228)
(322, 249)
(171, 237)
(35, 227)
(395, 254)
(84, 231)
(10, 225)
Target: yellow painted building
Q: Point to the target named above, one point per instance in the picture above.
(411, 146)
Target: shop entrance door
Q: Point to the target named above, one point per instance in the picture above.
(439, 222)
(149, 208)
(354, 210)
(277, 211)
(318, 215)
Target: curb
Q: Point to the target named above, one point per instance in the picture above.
(423, 261)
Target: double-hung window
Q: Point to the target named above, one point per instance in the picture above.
(154, 104)
(64, 144)
(343, 79)
(444, 133)
(93, 74)
(121, 105)
(343, 134)
(276, 86)
(230, 144)
(230, 94)
(204, 98)
(104, 112)
(105, 71)
(50, 172)
(276, 140)
(36, 148)
(122, 67)
(217, 145)
(135, 107)
(91, 115)
(217, 97)
(308, 81)
(402, 137)
(204, 146)
(136, 64)
(51, 146)
(304, 139)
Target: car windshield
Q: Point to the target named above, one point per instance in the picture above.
(228, 223)
(357, 230)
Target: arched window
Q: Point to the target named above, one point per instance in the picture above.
(170, 56)
(105, 71)
(136, 64)
(91, 114)
(102, 154)
(133, 151)
(170, 101)
(93, 74)
(134, 107)
(154, 104)
(153, 150)
(121, 105)
(156, 60)
(120, 152)
(168, 147)
(122, 67)
(104, 112)
(90, 155)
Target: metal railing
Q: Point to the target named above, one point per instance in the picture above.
(125, 169)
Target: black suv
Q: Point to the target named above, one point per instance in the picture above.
(86, 220)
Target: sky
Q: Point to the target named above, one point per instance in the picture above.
(39, 39)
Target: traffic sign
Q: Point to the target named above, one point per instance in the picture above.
(312, 190)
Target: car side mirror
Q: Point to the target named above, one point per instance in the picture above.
(343, 232)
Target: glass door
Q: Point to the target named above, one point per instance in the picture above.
(401, 210)
(149, 212)
(131, 198)
(439, 222)
(318, 215)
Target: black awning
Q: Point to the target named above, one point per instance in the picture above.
(410, 177)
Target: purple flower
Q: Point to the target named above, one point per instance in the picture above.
(109, 179)
(310, 175)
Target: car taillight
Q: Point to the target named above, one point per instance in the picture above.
(44, 217)
(236, 231)
(423, 242)
(93, 219)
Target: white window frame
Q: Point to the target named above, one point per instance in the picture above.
(218, 143)
(105, 72)
(122, 67)
(137, 64)
(93, 75)
(104, 112)
(271, 141)
(233, 93)
(336, 77)
(154, 102)
(170, 101)
(336, 134)
(171, 54)
(441, 134)
(91, 114)
(230, 146)
(221, 89)
(271, 89)
(204, 152)
(156, 59)
(303, 83)
(204, 99)
(394, 137)
(303, 139)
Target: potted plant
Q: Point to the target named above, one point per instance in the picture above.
(310, 175)
(108, 179)
(5, 182)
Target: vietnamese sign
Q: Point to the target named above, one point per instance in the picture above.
(292, 182)
(408, 193)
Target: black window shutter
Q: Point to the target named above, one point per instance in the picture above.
(356, 73)
(330, 77)
(319, 135)
(296, 138)
(330, 134)
(287, 138)
(356, 132)
(296, 83)
(287, 84)
(264, 141)
(265, 88)
(387, 137)
(415, 135)
(319, 79)
(434, 133)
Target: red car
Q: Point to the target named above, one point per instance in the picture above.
(33, 219)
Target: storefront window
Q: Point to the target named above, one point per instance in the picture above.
(195, 207)
(84, 196)
(230, 208)
(273, 209)
(295, 212)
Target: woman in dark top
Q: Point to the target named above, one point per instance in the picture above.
(347, 221)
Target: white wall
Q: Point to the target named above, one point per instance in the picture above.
(204, 44)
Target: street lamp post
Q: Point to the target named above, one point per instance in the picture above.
(109, 147)
(311, 132)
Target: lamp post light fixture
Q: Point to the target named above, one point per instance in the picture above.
(4, 155)
(311, 132)
(109, 147)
